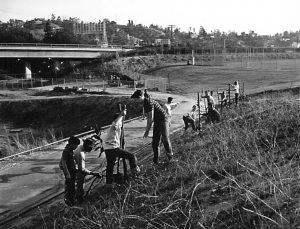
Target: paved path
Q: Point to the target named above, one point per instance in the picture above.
(37, 176)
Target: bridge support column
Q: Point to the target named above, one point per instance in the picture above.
(193, 58)
(28, 74)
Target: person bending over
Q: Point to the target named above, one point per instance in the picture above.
(82, 171)
(113, 149)
(161, 127)
(67, 164)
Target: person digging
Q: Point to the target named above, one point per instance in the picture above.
(82, 171)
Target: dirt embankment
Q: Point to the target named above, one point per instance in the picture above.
(66, 115)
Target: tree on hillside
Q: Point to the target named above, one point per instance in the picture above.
(48, 32)
(202, 33)
(63, 37)
(16, 35)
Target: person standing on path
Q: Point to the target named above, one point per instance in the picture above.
(147, 112)
(161, 127)
(67, 164)
(113, 149)
(169, 106)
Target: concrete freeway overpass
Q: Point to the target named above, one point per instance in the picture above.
(55, 51)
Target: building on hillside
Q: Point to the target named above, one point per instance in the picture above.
(192, 33)
(295, 45)
(91, 29)
(134, 41)
(164, 42)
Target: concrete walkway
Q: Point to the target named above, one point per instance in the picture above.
(37, 176)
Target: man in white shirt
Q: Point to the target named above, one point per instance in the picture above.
(190, 118)
(168, 107)
(113, 149)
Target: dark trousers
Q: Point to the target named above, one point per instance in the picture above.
(236, 98)
(70, 187)
(80, 184)
(111, 155)
(161, 131)
(223, 103)
(188, 120)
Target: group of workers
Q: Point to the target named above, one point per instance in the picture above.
(73, 156)
(211, 112)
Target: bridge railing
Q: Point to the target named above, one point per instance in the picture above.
(63, 45)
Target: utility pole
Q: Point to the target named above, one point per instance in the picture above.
(104, 36)
(171, 26)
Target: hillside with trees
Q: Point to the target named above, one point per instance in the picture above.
(52, 31)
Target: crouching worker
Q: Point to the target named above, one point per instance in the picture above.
(67, 164)
(79, 156)
(113, 149)
(190, 118)
(212, 114)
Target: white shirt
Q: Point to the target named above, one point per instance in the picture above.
(168, 107)
(79, 157)
(113, 136)
(236, 88)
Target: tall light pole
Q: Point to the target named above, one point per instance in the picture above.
(55, 70)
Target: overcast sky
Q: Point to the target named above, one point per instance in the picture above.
(265, 17)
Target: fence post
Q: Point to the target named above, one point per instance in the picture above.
(52, 83)
(64, 82)
(41, 82)
(22, 82)
(243, 89)
(199, 106)
(229, 95)
(31, 83)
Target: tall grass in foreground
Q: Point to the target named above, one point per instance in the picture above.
(12, 143)
(242, 173)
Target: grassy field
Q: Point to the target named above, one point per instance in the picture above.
(241, 173)
(192, 79)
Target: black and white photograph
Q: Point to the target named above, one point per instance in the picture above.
(152, 114)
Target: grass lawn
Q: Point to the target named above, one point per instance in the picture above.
(192, 79)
